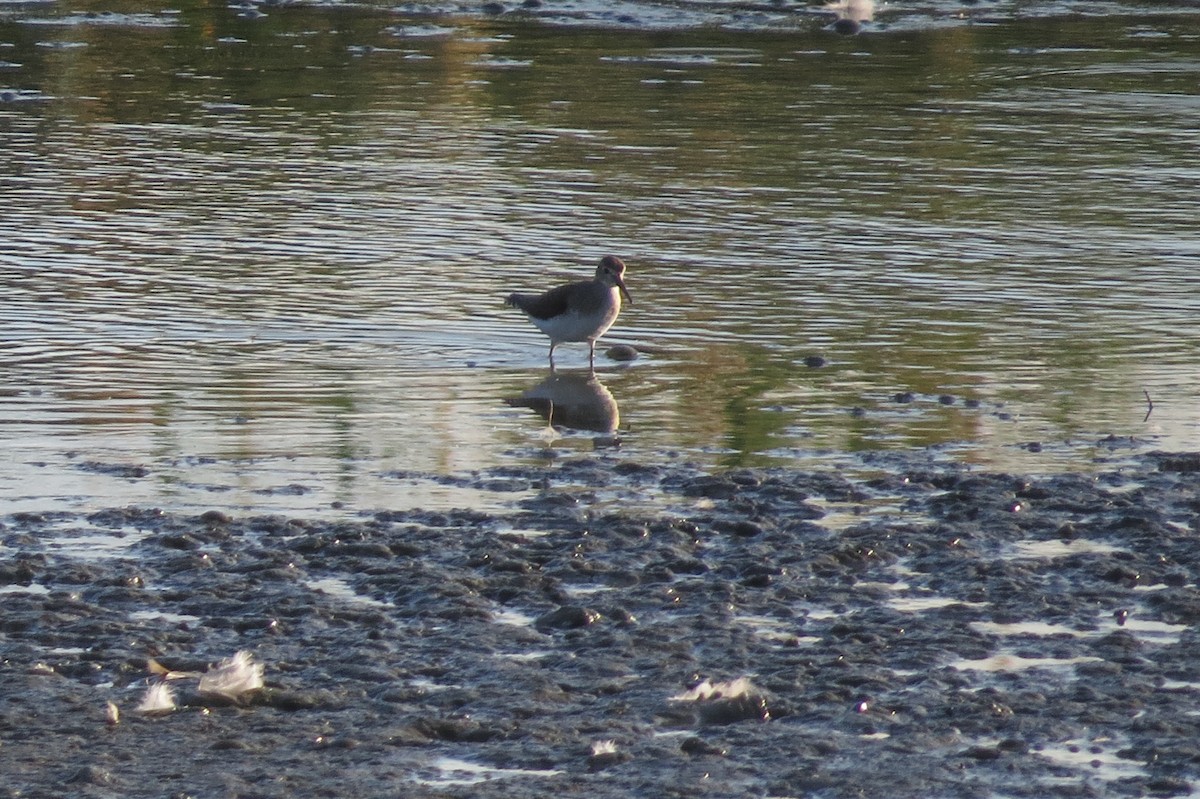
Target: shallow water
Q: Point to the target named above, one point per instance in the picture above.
(257, 261)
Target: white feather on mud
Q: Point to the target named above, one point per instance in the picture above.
(707, 689)
(604, 747)
(605, 754)
(158, 700)
(232, 679)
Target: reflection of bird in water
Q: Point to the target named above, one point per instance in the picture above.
(572, 400)
(851, 14)
(578, 311)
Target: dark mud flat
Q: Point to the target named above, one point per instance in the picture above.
(927, 632)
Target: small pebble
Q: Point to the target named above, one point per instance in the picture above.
(698, 746)
(734, 709)
(213, 518)
(622, 352)
(568, 617)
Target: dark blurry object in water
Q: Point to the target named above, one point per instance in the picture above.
(622, 352)
(846, 27)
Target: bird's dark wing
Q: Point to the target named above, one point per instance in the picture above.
(546, 305)
(589, 297)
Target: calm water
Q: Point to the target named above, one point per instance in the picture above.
(260, 262)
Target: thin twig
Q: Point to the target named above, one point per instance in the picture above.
(1149, 404)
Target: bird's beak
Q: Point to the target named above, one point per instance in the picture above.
(624, 291)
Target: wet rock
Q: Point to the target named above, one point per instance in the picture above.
(759, 576)
(742, 527)
(600, 760)
(633, 469)
(367, 550)
(982, 753)
(1121, 574)
(21, 571)
(619, 616)
(456, 730)
(698, 747)
(1117, 645)
(622, 352)
(1187, 463)
(293, 701)
(734, 709)
(91, 775)
(568, 617)
(139, 518)
(292, 489)
(182, 541)
(123, 470)
(214, 518)
(710, 487)
(504, 485)
(1168, 786)
(230, 745)
(686, 565)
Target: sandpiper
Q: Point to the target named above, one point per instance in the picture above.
(578, 311)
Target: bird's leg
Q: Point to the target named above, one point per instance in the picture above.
(592, 355)
(553, 344)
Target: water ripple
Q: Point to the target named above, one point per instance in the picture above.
(245, 261)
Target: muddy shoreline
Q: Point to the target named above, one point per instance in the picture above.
(931, 631)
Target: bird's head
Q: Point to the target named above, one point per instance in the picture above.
(611, 272)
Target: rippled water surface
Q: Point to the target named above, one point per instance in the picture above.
(259, 260)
